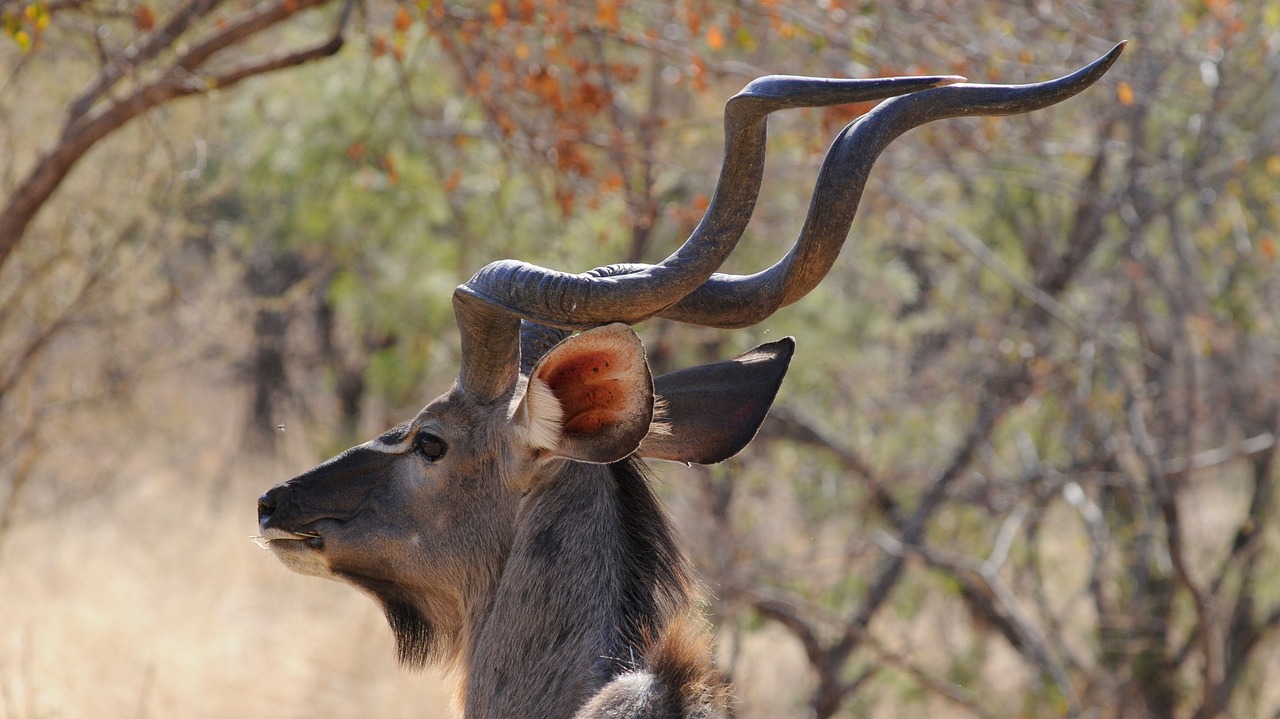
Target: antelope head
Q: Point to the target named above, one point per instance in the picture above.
(508, 526)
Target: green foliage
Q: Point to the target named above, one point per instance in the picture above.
(25, 23)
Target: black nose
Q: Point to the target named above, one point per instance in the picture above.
(266, 506)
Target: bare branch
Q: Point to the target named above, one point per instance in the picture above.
(786, 424)
(147, 48)
(247, 25)
(1218, 455)
(288, 59)
(1208, 628)
(943, 688)
(1037, 296)
(913, 530)
(50, 330)
(1032, 641)
(785, 613)
(19, 474)
(176, 81)
(788, 614)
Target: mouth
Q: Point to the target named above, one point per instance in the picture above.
(271, 538)
(301, 551)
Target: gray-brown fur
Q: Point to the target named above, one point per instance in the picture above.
(678, 681)
(545, 579)
(594, 570)
(510, 528)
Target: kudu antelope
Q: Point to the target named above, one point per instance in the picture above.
(510, 527)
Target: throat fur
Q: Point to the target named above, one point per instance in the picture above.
(591, 592)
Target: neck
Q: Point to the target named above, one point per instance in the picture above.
(594, 573)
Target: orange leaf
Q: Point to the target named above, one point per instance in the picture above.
(498, 13)
(144, 18)
(1124, 93)
(607, 14)
(403, 19)
(452, 181)
(565, 199)
(506, 124)
(699, 74)
(693, 20)
(1268, 247)
(715, 39)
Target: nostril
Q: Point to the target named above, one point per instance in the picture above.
(266, 506)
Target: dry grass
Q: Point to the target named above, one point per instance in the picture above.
(149, 600)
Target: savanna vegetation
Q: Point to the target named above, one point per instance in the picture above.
(1023, 464)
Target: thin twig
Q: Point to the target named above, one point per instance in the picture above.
(1040, 298)
(772, 605)
(1218, 455)
(145, 49)
(1208, 628)
(988, 571)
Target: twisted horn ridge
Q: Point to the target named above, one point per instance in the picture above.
(489, 303)
(733, 301)
(490, 306)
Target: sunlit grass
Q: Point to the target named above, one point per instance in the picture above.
(149, 599)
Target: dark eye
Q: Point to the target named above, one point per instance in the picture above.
(430, 446)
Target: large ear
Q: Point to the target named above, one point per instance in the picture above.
(590, 397)
(713, 411)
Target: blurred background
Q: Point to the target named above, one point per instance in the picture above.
(1023, 464)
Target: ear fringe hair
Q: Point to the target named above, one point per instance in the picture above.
(660, 425)
(544, 417)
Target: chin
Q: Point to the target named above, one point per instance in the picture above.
(298, 554)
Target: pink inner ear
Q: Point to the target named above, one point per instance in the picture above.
(587, 386)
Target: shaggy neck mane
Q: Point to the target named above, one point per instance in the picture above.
(594, 576)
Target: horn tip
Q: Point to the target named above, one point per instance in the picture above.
(1110, 57)
(1098, 67)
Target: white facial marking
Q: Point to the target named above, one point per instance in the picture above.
(378, 445)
